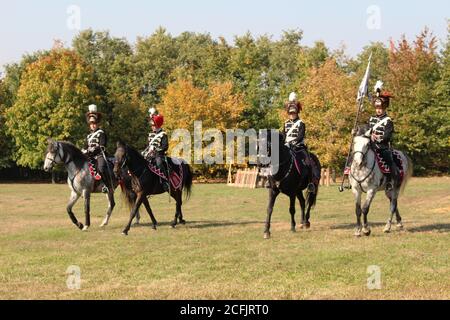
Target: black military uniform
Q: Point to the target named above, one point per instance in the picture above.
(95, 148)
(158, 144)
(294, 131)
(381, 132)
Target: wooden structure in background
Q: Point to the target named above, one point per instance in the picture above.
(246, 178)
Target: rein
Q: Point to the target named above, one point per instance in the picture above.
(370, 173)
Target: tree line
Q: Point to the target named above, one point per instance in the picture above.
(243, 84)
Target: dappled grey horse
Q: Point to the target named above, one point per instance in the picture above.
(80, 180)
(366, 177)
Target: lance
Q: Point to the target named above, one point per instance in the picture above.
(362, 93)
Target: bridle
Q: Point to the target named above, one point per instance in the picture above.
(57, 153)
(364, 155)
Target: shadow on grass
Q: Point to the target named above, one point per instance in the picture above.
(201, 224)
(439, 227)
(349, 226)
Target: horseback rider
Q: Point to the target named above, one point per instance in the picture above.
(158, 144)
(294, 131)
(381, 131)
(95, 146)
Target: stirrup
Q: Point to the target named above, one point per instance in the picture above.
(105, 189)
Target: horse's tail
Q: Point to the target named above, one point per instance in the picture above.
(127, 191)
(187, 180)
(311, 197)
(408, 174)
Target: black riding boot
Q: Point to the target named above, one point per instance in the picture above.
(160, 163)
(103, 171)
(392, 178)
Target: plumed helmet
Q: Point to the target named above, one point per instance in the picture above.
(93, 116)
(382, 98)
(157, 120)
(293, 97)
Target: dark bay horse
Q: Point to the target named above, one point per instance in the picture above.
(145, 182)
(80, 180)
(292, 177)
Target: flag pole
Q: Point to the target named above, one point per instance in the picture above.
(362, 93)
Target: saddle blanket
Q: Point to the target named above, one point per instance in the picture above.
(176, 180)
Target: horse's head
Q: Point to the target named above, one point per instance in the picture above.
(53, 155)
(361, 145)
(120, 158)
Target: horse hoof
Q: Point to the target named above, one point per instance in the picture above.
(80, 226)
(293, 230)
(154, 227)
(124, 233)
(182, 221)
(173, 226)
(85, 228)
(307, 225)
(387, 229)
(267, 235)
(358, 233)
(400, 226)
(367, 232)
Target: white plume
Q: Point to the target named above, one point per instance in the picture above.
(92, 108)
(293, 97)
(378, 86)
(152, 111)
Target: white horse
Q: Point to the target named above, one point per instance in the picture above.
(366, 177)
(79, 179)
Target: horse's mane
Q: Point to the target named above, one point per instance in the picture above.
(361, 129)
(132, 151)
(77, 156)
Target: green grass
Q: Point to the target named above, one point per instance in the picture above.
(220, 253)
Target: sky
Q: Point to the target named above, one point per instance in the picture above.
(27, 26)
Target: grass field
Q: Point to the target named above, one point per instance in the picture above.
(220, 253)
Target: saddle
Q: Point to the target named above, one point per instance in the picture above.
(384, 168)
(175, 172)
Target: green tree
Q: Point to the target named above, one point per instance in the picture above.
(329, 103)
(111, 60)
(413, 73)
(442, 109)
(154, 61)
(5, 139)
(50, 102)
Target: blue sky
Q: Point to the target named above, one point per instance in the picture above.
(26, 26)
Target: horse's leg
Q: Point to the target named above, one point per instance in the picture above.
(137, 218)
(292, 212)
(301, 199)
(73, 199)
(273, 194)
(177, 196)
(179, 205)
(111, 205)
(307, 215)
(87, 209)
(365, 210)
(358, 212)
(137, 204)
(150, 212)
(399, 219)
(393, 208)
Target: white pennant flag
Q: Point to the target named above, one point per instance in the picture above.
(364, 86)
